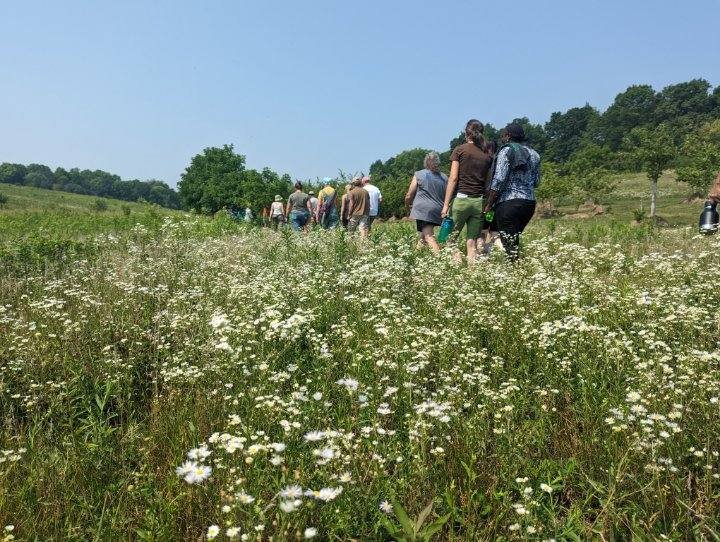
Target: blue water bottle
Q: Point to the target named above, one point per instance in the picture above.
(446, 229)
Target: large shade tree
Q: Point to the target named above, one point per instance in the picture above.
(565, 131)
(212, 180)
(684, 107)
(217, 179)
(632, 108)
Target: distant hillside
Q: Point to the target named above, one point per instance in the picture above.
(90, 183)
(27, 198)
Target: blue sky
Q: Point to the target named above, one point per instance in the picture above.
(138, 87)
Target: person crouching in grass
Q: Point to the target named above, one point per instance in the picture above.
(358, 209)
(512, 190)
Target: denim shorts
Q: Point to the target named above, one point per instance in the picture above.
(298, 219)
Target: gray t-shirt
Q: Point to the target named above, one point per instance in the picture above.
(298, 201)
(430, 196)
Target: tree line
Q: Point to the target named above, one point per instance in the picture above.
(582, 148)
(642, 130)
(92, 183)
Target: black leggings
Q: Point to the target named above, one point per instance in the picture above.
(512, 216)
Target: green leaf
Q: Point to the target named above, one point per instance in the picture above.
(423, 516)
(435, 526)
(403, 518)
(390, 527)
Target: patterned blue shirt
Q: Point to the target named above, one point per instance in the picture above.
(517, 184)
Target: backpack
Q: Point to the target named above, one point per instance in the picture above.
(518, 156)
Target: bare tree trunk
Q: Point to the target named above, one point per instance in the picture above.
(653, 197)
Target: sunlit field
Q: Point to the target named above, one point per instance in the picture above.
(200, 380)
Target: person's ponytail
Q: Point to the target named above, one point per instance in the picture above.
(474, 131)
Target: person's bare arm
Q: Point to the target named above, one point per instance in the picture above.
(317, 209)
(450, 189)
(714, 194)
(412, 190)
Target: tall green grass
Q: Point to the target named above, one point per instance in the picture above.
(573, 396)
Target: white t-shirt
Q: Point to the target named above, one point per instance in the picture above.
(375, 198)
(276, 209)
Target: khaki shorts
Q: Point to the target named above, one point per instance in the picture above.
(359, 222)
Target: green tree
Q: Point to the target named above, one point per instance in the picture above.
(212, 180)
(405, 164)
(590, 169)
(458, 140)
(553, 186)
(565, 131)
(39, 176)
(591, 156)
(715, 103)
(393, 193)
(688, 98)
(632, 108)
(700, 158)
(12, 173)
(685, 107)
(258, 188)
(655, 150)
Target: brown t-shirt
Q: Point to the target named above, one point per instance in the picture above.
(360, 201)
(474, 169)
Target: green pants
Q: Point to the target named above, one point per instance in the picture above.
(468, 212)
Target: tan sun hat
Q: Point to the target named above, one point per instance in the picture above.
(278, 197)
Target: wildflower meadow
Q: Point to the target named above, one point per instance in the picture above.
(197, 382)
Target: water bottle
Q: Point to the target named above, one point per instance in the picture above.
(446, 229)
(709, 218)
(490, 216)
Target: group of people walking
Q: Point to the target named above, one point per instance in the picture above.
(490, 194)
(359, 207)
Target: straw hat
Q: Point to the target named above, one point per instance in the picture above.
(278, 197)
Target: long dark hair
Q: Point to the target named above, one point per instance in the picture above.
(474, 130)
(491, 147)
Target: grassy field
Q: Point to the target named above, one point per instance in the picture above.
(196, 379)
(32, 212)
(27, 198)
(633, 193)
(41, 228)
